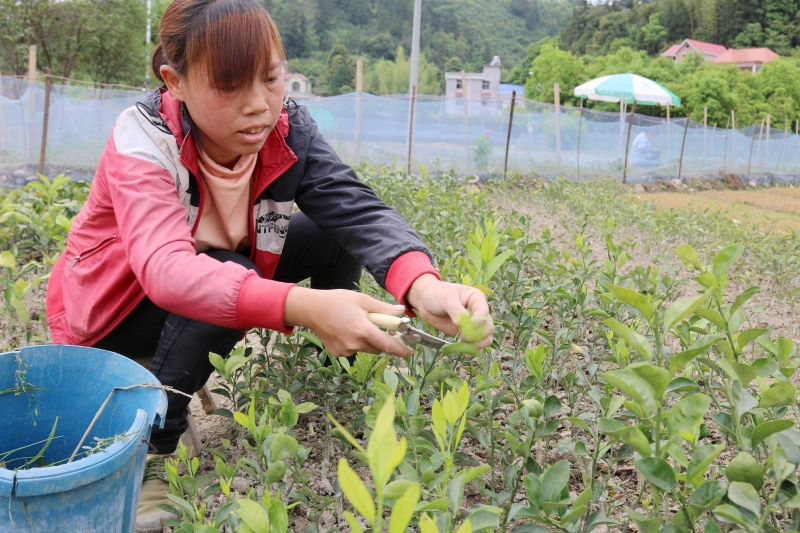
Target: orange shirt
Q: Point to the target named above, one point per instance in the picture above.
(224, 221)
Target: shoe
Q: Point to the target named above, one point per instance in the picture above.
(154, 492)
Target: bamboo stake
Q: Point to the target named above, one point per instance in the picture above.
(508, 137)
(669, 141)
(557, 95)
(683, 143)
(628, 144)
(48, 83)
(580, 124)
(2, 137)
(411, 125)
(733, 127)
(359, 89)
(752, 142)
(785, 134)
(466, 114)
(31, 98)
(725, 157)
(766, 146)
(705, 126)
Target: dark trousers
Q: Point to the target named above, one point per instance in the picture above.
(180, 346)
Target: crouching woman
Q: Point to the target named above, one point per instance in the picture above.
(188, 239)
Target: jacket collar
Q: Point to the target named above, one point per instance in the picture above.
(273, 155)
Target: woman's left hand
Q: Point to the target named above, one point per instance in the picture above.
(441, 304)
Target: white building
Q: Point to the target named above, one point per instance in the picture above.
(483, 88)
(298, 86)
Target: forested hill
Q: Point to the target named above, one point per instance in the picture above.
(455, 33)
(596, 28)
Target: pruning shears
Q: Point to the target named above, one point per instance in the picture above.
(400, 328)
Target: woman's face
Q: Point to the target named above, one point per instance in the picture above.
(230, 123)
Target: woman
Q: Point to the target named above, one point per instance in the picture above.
(187, 238)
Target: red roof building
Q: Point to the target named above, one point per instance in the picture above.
(709, 50)
(750, 59)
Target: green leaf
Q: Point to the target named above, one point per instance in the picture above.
(580, 423)
(288, 415)
(701, 460)
(356, 492)
(708, 494)
(745, 469)
(657, 377)
(397, 488)
(686, 415)
(634, 386)
(283, 446)
(403, 510)
(553, 481)
(726, 258)
(749, 335)
(8, 260)
(744, 374)
(683, 308)
(218, 362)
(630, 435)
(455, 493)
(636, 340)
(689, 256)
(700, 346)
(306, 407)
(634, 299)
(765, 429)
(707, 280)
(483, 518)
(715, 317)
(496, 263)
(645, 525)
(732, 515)
(253, 514)
(275, 471)
(658, 472)
(780, 394)
(742, 298)
(744, 495)
(473, 473)
(466, 527)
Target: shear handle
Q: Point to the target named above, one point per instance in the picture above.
(387, 321)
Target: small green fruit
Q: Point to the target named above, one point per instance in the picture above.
(533, 407)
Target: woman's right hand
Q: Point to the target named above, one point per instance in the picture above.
(339, 319)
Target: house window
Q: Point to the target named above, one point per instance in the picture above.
(458, 84)
(485, 85)
(296, 87)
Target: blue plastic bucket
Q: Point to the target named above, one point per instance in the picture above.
(93, 493)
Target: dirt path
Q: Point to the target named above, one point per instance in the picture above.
(775, 209)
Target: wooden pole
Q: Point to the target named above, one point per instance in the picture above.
(628, 145)
(752, 142)
(2, 137)
(466, 116)
(31, 98)
(705, 126)
(766, 146)
(733, 128)
(557, 99)
(669, 141)
(683, 143)
(411, 125)
(760, 138)
(48, 82)
(359, 89)
(580, 124)
(621, 122)
(508, 137)
(785, 134)
(725, 157)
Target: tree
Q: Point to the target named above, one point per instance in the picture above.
(392, 77)
(114, 50)
(554, 65)
(341, 71)
(18, 18)
(654, 34)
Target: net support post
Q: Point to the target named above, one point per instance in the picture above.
(411, 126)
(508, 136)
(48, 84)
(628, 145)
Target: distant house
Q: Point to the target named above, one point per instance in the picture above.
(298, 86)
(748, 59)
(710, 50)
(482, 87)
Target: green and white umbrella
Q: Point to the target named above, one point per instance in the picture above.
(627, 88)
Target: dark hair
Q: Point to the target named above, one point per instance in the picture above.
(233, 40)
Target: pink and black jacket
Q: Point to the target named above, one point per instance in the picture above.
(134, 236)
